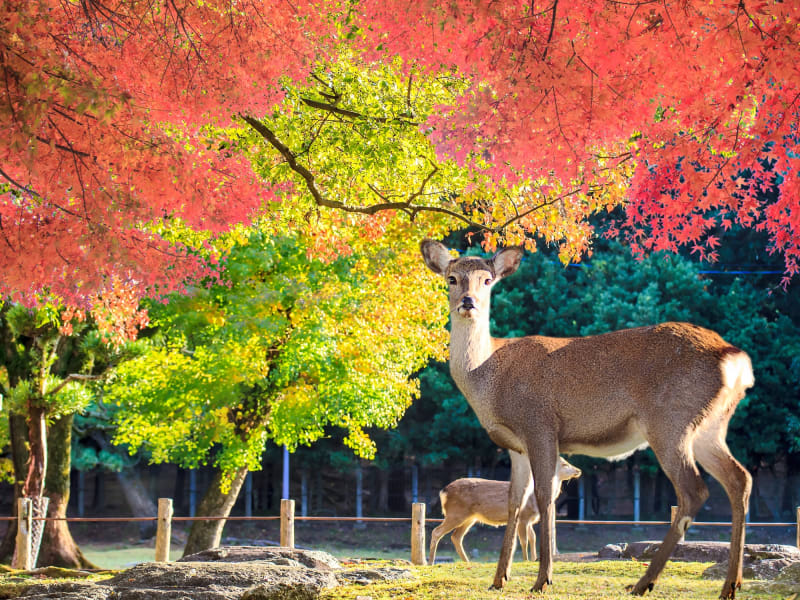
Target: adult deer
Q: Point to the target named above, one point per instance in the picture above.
(673, 386)
(471, 500)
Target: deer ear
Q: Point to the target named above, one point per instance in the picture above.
(506, 261)
(436, 256)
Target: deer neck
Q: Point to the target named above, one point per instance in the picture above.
(470, 347)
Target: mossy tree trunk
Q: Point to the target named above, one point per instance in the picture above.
(18, 430)
(58, 548)
(37, 448)
(204, 535)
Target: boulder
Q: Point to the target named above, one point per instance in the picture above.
(785, 584)
(275, 555)
(612, 551)
(67, 590)
(769, 568)
(774, 567)
(712, 551)
(249, 573)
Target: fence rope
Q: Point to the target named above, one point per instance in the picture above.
(377, 520)
(287, 518)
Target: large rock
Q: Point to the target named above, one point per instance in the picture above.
(769, 568)
(786, 583)
(275, 555)
(711, 551)
(261, 574)
(612, 551)
(774, 563)
(66, 590)
(766, 562)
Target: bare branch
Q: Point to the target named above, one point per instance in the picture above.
(73, 377)
(552, 28)
(309, 178)
(351, 114)
(5, 235)
(406, 206)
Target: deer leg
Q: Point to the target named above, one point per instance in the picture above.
(522, 534)
(521, 485)
(530, 541)
(438, 533)
(713, 454)
(544, 468)
(458, 536)
(527, 539)
(678, 465)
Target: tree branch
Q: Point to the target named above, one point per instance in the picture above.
(407, 206)
(351, 114)
(552, 28)
(309, 178)
(73, 377)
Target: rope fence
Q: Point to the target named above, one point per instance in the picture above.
(287, 519)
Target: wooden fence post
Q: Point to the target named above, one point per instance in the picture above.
(23, 552)
(418, 533)
(163, 529)
(287, 523)
(672, 514)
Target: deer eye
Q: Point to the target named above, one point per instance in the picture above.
(451, 280)
(488, 281)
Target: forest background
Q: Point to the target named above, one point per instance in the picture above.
(211, 214)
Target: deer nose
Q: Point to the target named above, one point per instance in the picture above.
(467, 302)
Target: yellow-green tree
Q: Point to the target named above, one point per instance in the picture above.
(284, 348)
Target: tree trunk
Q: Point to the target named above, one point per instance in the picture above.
(789, 485)
(136, 496)
(99, 495)
(37, 440)
(207, 534)
(179, 494)
(58, 549)
(383, 491)
(138, 500)
(18, 431)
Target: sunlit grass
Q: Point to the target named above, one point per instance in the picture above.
(605, 580)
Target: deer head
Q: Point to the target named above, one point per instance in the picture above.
(470, 278)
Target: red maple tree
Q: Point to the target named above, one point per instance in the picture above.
(703, 98)
(107, 109)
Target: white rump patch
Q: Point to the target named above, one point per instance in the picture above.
(737, 371)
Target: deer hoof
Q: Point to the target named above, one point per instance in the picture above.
(639, 589)
(498, 584)
(729, 589)
(541, 586)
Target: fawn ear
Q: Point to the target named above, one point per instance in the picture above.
(506, 261)
(436, 256)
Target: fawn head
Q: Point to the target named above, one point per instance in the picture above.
(566, 471)
(470, 278)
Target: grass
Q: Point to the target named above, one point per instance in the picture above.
(604, 580)
(123, 556)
